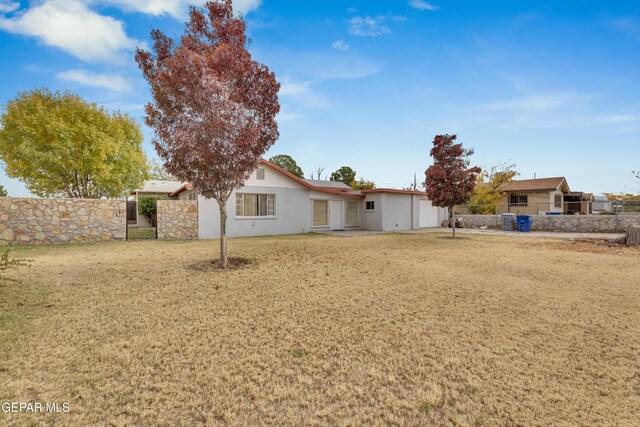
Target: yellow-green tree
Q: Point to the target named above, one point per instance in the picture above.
(59, 145)
(363, 184)
(488, 191)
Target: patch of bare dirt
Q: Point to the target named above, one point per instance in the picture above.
(593, 246)
(234, 263)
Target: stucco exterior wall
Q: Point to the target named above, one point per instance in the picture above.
(397, 212)
(372, 220)
(177, 219)
(566, 223)
(538, 203)
(38, 221)
(319, 195)
(188, 195)
(292, 215)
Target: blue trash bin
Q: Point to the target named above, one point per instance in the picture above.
(524, 223)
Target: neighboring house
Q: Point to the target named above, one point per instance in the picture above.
(602, 204)
(150, 188)
(577, 202)
(273, 201)
(544, 196)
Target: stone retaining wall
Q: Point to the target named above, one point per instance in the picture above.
(38, 221)
(567, 223)
(177, 219)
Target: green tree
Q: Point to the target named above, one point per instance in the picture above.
(148, 208)
(287, 163)
(489, 189)
(57, 144)
(344, 174)
(3, 192)
(159, 172)
(363, 184)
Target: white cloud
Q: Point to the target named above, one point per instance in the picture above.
(176, 8)
(340, 45)
(301, 94)
(422, 5)
(71, 26)
(538, 103)
(7, 6)
(368, 26)
(111, 82)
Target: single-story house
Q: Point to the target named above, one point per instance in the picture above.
(577, 202)
(602, 204)
(274, 201)
(151, 188)
(544, 196)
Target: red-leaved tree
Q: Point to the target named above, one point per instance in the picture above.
(449, 180)
(213, 108)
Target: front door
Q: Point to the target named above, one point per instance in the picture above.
(335, 215)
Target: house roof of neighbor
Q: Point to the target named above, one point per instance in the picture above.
(343, 191)
(540, 184)
(393, 190)
(159, 186)
(328, 184)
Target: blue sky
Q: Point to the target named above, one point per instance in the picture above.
(552, 86)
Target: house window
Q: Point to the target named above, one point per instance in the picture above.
(353, 213)
(558, 200)
(518, 199)
(370, 206)
(260, 174)
(320, 213)
(255, 204)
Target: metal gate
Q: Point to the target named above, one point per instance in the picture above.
(131, 211)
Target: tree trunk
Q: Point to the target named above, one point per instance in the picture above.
(453, 223)
(222, 262)
(633, 235)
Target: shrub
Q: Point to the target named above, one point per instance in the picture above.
(8, 263)
(148, 207)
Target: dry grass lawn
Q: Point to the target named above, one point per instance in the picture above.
(384, 329)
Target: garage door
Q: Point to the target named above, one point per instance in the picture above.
(428, 214)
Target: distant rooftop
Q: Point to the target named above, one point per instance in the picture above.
(534, 184)
(328, 184)
(157, 186)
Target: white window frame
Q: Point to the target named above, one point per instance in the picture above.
(313, 213)
(558, 201)
(346, 215)
(260, 174)
(240, 206)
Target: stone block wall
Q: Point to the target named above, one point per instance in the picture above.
(177, 219)
(38, 221)
(566, 223)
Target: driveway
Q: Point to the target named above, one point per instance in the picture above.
(543, 234)
(533, 234)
